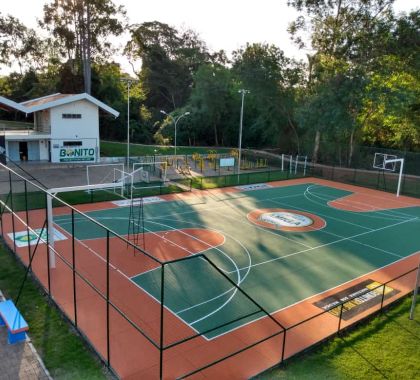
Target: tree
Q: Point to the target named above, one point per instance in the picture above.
(266, 72)
(209, 103)
(169, 60)
(347, 37)
(82, 29)
(391, 108)
(19, 44)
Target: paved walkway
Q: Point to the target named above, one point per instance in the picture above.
(19, 361)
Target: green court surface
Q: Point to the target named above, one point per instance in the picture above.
(276, 268)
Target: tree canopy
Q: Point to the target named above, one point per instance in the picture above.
(359, 84)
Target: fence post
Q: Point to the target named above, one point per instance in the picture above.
(284, 345)
(73, 254)
(48, 247)
(383, 296)
(107, 301)
(340, 317)
(27, 221)
(162, 300)
(415, 292)
(13, 212)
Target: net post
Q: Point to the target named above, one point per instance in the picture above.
(282, 162)
(50, 229)
(291, 164)
(304, 166)
(296, 164)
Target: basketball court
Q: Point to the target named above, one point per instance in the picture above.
(239, 266)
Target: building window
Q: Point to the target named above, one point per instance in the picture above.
(72, 143)
(72, 116)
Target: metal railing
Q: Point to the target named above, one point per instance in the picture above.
(73, 281)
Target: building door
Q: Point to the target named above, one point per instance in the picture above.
(23, 150)
(33, 151)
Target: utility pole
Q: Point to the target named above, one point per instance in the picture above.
(129, 81)
(175, 121)
(243, 92)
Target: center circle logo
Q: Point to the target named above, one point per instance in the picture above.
(286, 220)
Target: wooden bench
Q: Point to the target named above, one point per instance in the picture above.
(16, 325)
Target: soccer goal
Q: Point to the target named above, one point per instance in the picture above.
(104, 173)
(151, 172)
(388, 163)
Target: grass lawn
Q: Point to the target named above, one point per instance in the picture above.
(64, 353)
(119, 149)
(388, 347)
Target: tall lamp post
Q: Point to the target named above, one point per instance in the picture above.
(175, 121)
(243, 92)
(129, 81)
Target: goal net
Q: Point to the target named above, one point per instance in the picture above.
(104, 173)
(149, 172)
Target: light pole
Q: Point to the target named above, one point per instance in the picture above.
(175, 121)
(243, 92)
(129, 81)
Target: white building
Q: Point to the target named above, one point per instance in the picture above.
(65, 129)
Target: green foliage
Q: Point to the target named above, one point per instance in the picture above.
(19, 44)
(169, 59)
(391, 107)
(359, 85)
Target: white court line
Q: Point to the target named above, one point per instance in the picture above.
(212, 208)
(67, 218)
(331, 243)
(313, 296)
(342, 237)
(248, 223)
(228, 257)
(130, 280)
(387, 214)
(242, 278)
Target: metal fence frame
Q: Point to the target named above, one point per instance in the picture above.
(7, 207)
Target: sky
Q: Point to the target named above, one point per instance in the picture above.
(222, 24)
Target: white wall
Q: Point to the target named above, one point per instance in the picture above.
(84, 130)
(86, 127)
